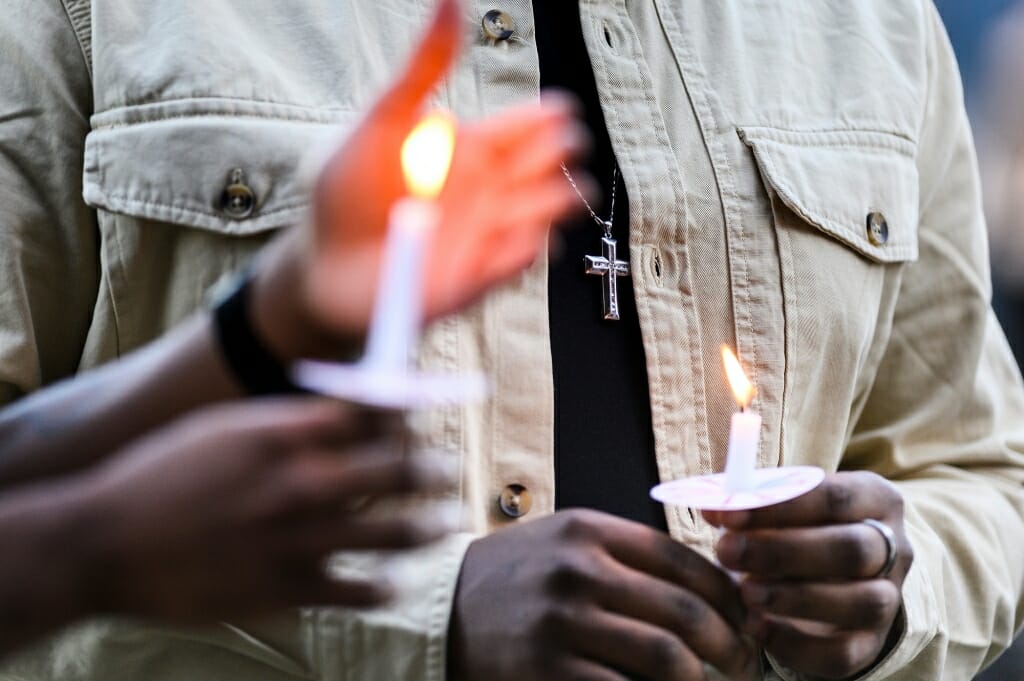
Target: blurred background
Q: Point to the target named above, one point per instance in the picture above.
(988, 36)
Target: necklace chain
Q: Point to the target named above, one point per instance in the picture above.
(606, 225)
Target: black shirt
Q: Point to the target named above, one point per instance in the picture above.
(604, 444)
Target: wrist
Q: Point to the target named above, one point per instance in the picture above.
(281, 315)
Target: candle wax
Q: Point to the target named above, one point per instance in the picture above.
(741, 460)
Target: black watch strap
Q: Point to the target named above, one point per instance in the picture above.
(255, 367)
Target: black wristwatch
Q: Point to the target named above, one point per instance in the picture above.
(254, 366)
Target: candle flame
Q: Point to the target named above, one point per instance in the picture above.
(427, 155)
(741, 386)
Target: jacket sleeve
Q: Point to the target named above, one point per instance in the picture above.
(945, 416)
(49, 257)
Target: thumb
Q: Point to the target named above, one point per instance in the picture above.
(429, 63)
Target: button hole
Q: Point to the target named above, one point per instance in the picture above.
(608, 36)
(657, 265)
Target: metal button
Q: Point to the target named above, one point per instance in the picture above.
(238, 199)
(515, 501)
(878, 229)
(498, 25)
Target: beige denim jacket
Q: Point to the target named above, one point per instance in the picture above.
(755, 139)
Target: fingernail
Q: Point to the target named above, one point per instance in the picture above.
(730, 548)
(754, 595)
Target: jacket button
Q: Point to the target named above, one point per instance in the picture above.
(515, 501)
(498, 25)
(238, 200)
(878, 229)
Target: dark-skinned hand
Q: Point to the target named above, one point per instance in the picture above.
(586, 596)
(812, 585)
(233, 511)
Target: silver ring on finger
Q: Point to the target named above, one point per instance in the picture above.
(891, 549)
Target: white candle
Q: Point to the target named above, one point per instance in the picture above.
(745, 429)
(741, 460)
(398, 309)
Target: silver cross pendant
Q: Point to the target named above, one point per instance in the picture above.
(610, 268)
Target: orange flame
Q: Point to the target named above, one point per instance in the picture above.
(427, 154)
(741, 386)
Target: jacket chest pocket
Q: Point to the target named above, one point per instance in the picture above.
(185, 197)
(845, 210)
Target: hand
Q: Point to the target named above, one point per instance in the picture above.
(584, 595)
(813, 586)
(505, 187)
(233, 511)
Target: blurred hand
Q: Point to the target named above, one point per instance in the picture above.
(233, 511)
(505, 187)
(584, 595)
(818, 602)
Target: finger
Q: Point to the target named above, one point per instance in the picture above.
(527, 213)
(540, 203)
(425, 527)
(632, 646)
(306, 422)
(428, 64)
(851, 551)
(837, 656)
(504, 132)
(865, 604)
(329, 532)
(357, 593)
(321, 589)
(509, 248)
(657, 554)
(681, 612)
(479, 271)
(530, 211)
(518, 237)
(579, 669)
(840, 498)
(330, 478)
(539, 150)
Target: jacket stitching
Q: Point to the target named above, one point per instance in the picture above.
(837, 139)
(902, 250)
(314, 114)
(195, 116)
(118, 198)
(847, 132)
(79, 15)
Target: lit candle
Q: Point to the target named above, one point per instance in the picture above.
(398, 308)
(745, 431)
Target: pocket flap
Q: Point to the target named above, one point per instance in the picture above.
(843, 181)
(179, 168)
